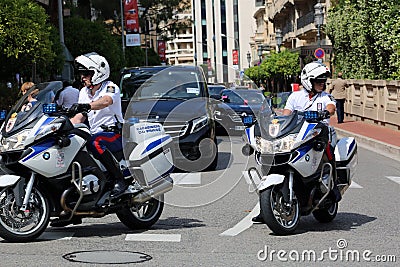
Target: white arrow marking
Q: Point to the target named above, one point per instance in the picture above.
(355, 185)
(244, 224)
(186, 178)
(394, 179)
(154, 237)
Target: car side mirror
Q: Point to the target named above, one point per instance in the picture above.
(225, 99)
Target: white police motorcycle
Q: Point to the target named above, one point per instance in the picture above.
(46, 171)
(304, 169)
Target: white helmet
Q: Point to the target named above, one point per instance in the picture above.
(94, 63)
(312, 71)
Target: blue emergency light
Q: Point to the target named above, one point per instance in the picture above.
(49, 108)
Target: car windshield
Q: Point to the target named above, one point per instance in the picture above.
(215, 90)
(243, 97)
(171, 83)
(134, 78)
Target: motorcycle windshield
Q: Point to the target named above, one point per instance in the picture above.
(30, 107)
(274, 124)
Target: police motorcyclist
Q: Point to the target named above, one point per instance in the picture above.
(313, 97)
(100, 101)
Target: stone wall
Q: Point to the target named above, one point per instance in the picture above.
(374, 101)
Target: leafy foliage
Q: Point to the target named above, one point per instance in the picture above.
(276, 67)
(366, 38)
(27, 41)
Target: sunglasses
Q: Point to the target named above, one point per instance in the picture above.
(86, 73)
(320, 80)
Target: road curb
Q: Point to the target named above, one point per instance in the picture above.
(379, 147)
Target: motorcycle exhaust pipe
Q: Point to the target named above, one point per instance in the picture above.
(155, 190)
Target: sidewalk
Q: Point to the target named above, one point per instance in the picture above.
(379, 139)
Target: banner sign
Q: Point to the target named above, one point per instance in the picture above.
(235, 56)
(133, 39)
(161, 50)
(131, 16)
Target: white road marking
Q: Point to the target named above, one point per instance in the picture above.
(394, 179)
(244, 224)
(186, 178)
(154, 237)
(56, 235)
(355, 185)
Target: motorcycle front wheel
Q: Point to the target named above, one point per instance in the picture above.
(281, 217)
(142, 215)
(27, 225)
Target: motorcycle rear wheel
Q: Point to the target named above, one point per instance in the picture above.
(20, 226)
(279, 217)
(143, 215)
(326, 215)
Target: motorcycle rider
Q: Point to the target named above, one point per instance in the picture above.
(100, 102)
(313, 98)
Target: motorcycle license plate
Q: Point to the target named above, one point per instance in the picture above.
(248, 120)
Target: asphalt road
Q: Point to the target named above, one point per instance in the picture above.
(206, 222)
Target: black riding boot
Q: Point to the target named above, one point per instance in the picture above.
(108, 160)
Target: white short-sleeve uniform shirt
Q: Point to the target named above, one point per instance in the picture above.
(301, 101)
(105, 116)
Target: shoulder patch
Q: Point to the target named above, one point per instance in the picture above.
(110, 89)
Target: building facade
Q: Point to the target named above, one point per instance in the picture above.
(301, 29)
(221, 36)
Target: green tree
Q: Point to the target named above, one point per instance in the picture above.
(276, 69)
(93, 37)
(27, 41)
(366, 38)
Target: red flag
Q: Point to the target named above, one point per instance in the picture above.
(161, 50)
(131, 16)
(235, 56)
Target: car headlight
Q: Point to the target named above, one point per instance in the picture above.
(284, 144)
(15, 142)
(199, 123)
(48, 129)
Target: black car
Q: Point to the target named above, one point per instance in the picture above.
(215, 90)
(238, 109)
(177, 97)
(132, 78)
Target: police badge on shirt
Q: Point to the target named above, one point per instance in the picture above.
(110, 89)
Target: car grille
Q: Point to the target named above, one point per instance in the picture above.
(175, 129)
(235, 117)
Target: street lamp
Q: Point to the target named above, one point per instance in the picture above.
(259, 53)
(279, 38)
(248, 57)
(318, 20)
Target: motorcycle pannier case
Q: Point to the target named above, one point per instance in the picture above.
(346, 158)
(150, 158)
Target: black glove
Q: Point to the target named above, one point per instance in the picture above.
(79, 108)
(324, 114)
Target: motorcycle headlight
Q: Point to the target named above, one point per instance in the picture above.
(15, 142)
(48, 129)
(199, 123)
(284, 144)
